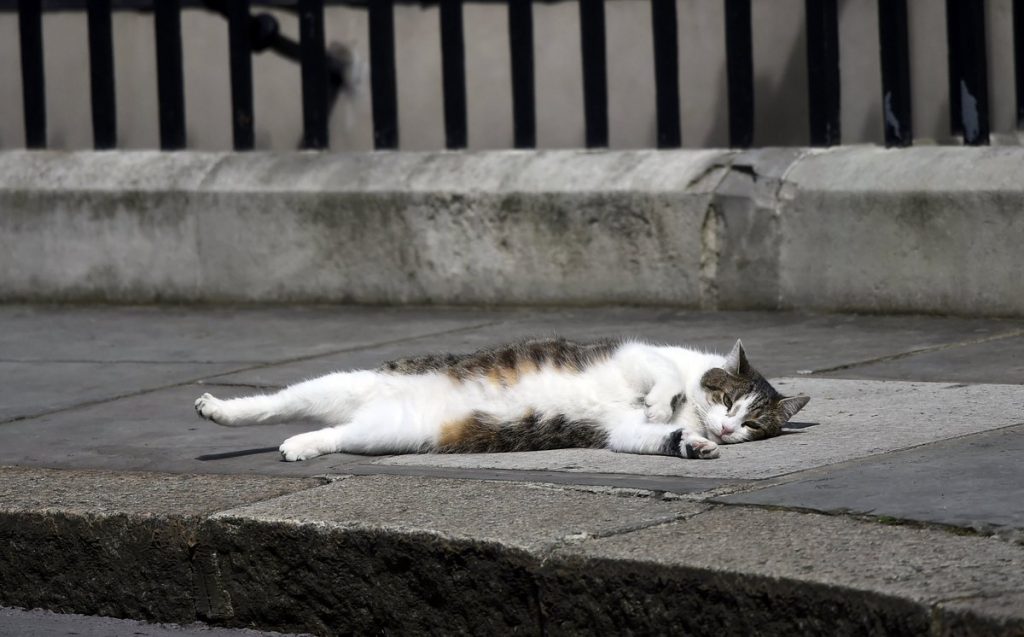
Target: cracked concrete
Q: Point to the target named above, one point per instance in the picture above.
(846, 229)
(968, 343)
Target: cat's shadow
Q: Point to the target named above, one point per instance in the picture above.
(236, 454)
(790, 428)
(796, 427)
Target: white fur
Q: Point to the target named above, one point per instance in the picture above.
(374, 413)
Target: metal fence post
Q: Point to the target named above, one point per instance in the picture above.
(666, 72)
(739, 72)
(33, 86)
(240, 52)
(101, 75)
(823, 71)
(314, 73)
(892, 34)
(170, 78)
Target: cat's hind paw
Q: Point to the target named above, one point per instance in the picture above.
(301, 447)
(211, 409)
(700, 449)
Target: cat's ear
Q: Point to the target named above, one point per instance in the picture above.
(714, 378)
(736, 361)
(789, 406)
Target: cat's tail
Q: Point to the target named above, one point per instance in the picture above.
(480, 432)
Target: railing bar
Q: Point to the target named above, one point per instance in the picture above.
(1018, 58)
(823, 71)
(969, 77)
(892, 35)
(383, 78)
(666, 72)
(739, 72)
(453, 73)
(953, 54)
(314, 74)
(240, 52)
(101, 75)
(524, 113)
(170, 73)
(33, 85)
(595, 72)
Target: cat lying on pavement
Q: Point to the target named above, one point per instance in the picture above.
(622, 395)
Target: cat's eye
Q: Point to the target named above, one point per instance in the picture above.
(753, 424)
(727, 401)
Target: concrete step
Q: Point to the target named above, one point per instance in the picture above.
(409, 554)
(43, 623)
(926, 229)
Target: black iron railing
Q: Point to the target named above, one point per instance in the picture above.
(739, 61)
(892, 34)
(323, 74)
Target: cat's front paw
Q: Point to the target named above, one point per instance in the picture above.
(211, 409)
(301, 447)
(697, 448)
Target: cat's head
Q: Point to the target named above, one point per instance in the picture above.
(740, 405)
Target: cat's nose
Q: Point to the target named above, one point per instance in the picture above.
(726, 429)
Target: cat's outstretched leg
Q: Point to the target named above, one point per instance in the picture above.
(632, 434)
(312, 444)
(328, 399)
(379, 428)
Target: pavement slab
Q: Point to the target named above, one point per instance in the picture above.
(832, 575)
(236, 334)
(42, 623)
(102, 510)
(971, 481)
(409, 555)
(778, 343)
(670, 485)
(154, 431)
(54, 358)
(30, 489)
(527, 516)
(36, 388)
(923, 564)
(997, 360)
(844, 420)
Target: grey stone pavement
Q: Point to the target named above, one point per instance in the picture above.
(913, 442)
(42, 623)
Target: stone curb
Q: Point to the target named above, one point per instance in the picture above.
(926, 229)
(329, 560)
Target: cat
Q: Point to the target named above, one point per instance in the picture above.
(622, 395)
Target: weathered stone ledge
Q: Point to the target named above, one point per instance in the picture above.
(865, 229)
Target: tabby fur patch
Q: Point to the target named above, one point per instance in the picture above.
(482, 433)
(505, 364)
